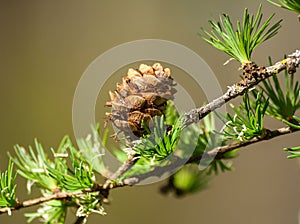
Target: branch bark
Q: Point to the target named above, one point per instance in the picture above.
(37, 201)
(238, 89)
(109, 184)
(220, 151)
(131, 160)
(217, 153)
(193, 116)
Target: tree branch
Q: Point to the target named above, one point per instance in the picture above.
(157, 171)
(220, 151)
(110, 183)
(36, 201)
(130, 161)
(192, 116)
(238, 89)
(217, 153)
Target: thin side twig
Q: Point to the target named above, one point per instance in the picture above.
(157, 171)
(215, 153)
(220, 151)
(290, 63)
(40, 200)
(110, 183)
(130, 161)
(192, 116)
(196, 115)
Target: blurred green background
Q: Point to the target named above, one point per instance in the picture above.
(47, 45)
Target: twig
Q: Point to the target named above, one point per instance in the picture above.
(220, 151)
(237, 89)
(36, 201)
(290, 63)
(111, 183)
(130, 161)
(191, 117)
(216, 153)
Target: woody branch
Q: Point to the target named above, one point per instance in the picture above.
(193, 116)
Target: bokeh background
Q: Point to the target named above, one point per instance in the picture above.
(45, 46)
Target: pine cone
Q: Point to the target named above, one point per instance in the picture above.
(142, 95)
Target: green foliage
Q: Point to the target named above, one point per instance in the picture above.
(77, 177)
(283, 103)
(221, 165)
(160, 142)
(51, 212)
(194, 177)
(171, 114)
(207, 139)
(90, 203)
(240, 43)
(72, 171)
(142, 166)
(295, 151)
(247, 122)
(56, 174)
(190, 179)
(67, 171)
(33, 166)
(203, 134)
(200, 138)
(218, 165)
(293, 5)
(93, 150)
(295, 125)
(8, 187)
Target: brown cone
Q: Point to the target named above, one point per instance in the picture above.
(142, 95)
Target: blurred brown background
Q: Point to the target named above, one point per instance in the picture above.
(45, 46)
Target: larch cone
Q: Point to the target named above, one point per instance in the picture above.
(142, 95)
